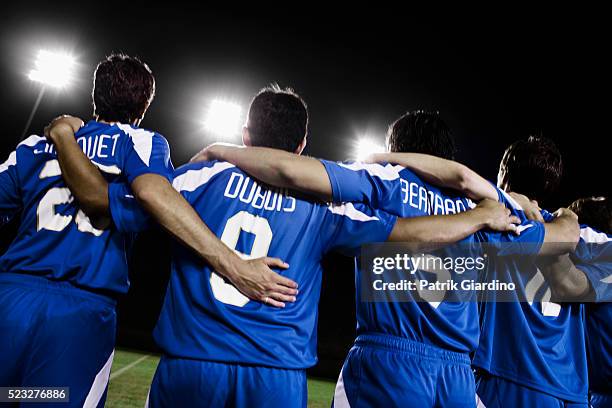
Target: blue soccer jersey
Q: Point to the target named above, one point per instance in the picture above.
(206, 318)
(594, 258)
(449, 325)
(56, 240)
(537, 343)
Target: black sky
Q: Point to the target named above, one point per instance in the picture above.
(494, 79)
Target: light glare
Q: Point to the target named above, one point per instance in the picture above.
(366, 147)
(223, 118)
(53, 69)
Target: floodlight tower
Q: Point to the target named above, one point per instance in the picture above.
(51, 69)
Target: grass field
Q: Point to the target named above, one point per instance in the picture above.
(132, 373)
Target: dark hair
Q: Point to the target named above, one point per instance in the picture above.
(277, 118)
(532, 167)
(124, 87)
(421, 132)
(595, 212)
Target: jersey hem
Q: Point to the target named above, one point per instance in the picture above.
(45, 284)
(236, 362)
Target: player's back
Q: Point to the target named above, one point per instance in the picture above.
(598, 316)
(451, 325)
(206, 318)
(56, 240)
(530, 340)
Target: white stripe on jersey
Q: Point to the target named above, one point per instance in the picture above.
(12, 159)
(522, 228)
(607, 279)
(142, 139)
(107, 169)
(50, 169)
(31, 140)
(512, 202)
(591, 236)
(192, 179)
(349, 210)
(386, 172)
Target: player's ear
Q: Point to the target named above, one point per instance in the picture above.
(301, 146)
(246, 138)
(502, 177)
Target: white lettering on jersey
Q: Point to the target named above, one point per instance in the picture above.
(417, 196)
(248, 191)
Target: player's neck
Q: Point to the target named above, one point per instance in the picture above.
(109, 122)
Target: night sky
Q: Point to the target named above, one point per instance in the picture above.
(494, 78)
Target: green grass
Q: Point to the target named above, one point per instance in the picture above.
(129, 385)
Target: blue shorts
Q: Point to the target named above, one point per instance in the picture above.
(387, 371)
(55, 335)
(192, 383)
(497, 392)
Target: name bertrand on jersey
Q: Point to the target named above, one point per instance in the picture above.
(412, 191)
(417, 196)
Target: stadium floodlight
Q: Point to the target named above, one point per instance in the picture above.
(53, 69)
(365, 147)
(223, 118)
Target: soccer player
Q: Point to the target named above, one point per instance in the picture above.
(582, 276)
(218, 346)
(588, 276)
(533, 352)
(406, 353)
(533, 373)
(60, 276)
(597, 212)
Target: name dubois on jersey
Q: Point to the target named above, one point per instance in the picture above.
(417, 196)
(250, 192)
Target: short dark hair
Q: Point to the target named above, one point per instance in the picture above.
(595, 212)
(124, 87)
(532, 167)
(277, 118)
(421, 132)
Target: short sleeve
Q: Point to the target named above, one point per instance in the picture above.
(144, 152)
(370, 183)
(349, 226)
(10, 195)
(593, 256)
